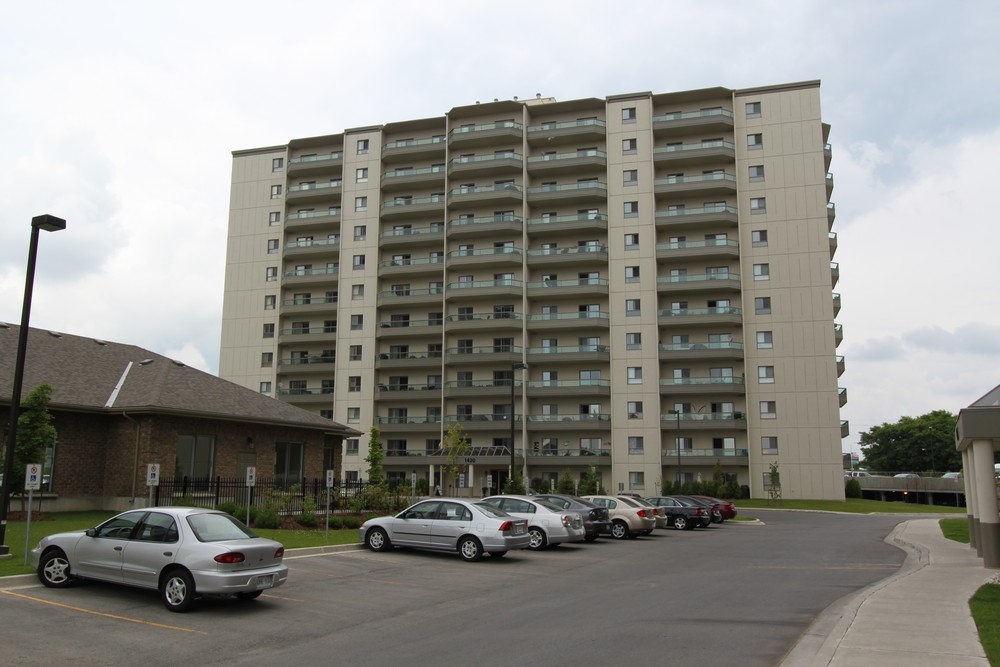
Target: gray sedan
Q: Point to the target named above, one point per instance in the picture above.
(448, 524)
(548, 524)
(183, 552)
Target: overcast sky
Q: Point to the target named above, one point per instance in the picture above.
(121, 118)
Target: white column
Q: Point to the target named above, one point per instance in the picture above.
(986, 503)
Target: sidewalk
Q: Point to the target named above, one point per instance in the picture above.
(917, 617)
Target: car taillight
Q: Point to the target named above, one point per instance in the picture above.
(697, 512)
(506, 526)
(641, 513)
(230, 557)
(566, 520)
(279, 552)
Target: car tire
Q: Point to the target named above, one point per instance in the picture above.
(377, 540)
(680, 522)
(246, 597)
(538, 539)
(54, 571)
(620, 530)
(177, 591)
(470, 549)
(498, 554)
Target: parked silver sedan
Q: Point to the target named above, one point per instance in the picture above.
(548, 524)
(183, 552)
(448, 524)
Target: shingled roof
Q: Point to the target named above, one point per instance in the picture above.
(97, 376)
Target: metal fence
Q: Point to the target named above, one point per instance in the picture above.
(278, 493)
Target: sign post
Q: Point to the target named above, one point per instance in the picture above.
(329, 485)
(251, 482)
(32, 483)
(152, 479)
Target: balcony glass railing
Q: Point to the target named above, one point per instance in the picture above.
(687, 115)
(706, 210)
(698, 245)
(567, 384)
(486, 127)
(302, 273)
(405, 143)
(567, 125)
(572, 250)
(406, 324)
(570, 418)
(305, 361)
(555, 219)
(560, 157)
(687, 148)
(584, 315)
(314, 243)
(308, 301)
(475, 284)
(303, 187)
(428, 354)
(486, 349)
(402, 202)
(484, 252)
(483, 317)
(713, 453)
(701, 178)
(308, 331)
(437, 228)
(479, 384)
(697, 278)
(685, 347)
(312, 159)
(570, 282)
(403, 173)
(701, 417)
(684, 382)
(699, 312)
(567, 349)
(480, 189)
(404, 292)
(305, 215)
(479, 159)
(585, 186)
(420, 261)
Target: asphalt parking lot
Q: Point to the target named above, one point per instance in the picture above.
(729, 594)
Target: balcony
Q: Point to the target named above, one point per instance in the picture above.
(479, 388)
(489, 225)
(692, 351)
(698, 282)
(715, 184)
(709, 216)
(409, 236)
(412, 207)
(305, 221)
(842, 396)
(704, 457)
(311, 364)
(583, 454)
(831, 214)
(568, 163)
(836, 304)
(405, 296)
(306, 192)
(497, 194)
(393, 425)
(705, 152)
(569, 354)
(408, 328)
(481, 289)
(421, 266)
(568, 256)
(568, 288)
(309, 305)
(838, 334)
(400, 360)
(702, 385)
(686, 317)
(407, 392)
(485, 134)
(413, 149)
(484, 321)
(583, 423)
(594, 320)
(569, 388)
(304, 396)
(841, 366)
(697, 421)
(309, 248)
(567, 132)
(566, 224)
(408, 178)
(694, 122)
(581, 192)
(833, 243)
(311, 277)
(470, 166)
(309, 165)
(307, 335)
(845, 428)
(485, 257)
(676, 251)
(829, 185)
(834, 273)
(484, 354)
(484, 422)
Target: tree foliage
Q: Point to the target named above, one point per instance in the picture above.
(590, 483)
(35, 432)
(913, 444)
(565, 483)
(456, 447)
(375, 458)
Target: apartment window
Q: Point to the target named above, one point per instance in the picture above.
(265, 387)
(632, 307)
(357, 322)
(631, 209)
(765, 374)
(758, 238)
(360, 232)
(353, 415)
(765, 340)
(360, 204)
(275, 192)
(358, 262)
(270, 301)
(758, 205)
(634, 374)
(756, 172)
(268, 331)
(354, 353)
(272, 246)
(633, 340)
(277, 164)
(363, 145)
(357, 292)
(352, 446)
(631, 241)
(637, 481)
(762, 305)
(761, 271)
(628, 146)
(630, 177)
(590, 444)
(271, 273)
(631, 274)
(361, 175)
(635, 409)
(628, 115)
(354, 383)
(755, 141)
(768, 410)
(266, 359)
(274, 218)
(635, 444)
(753, 109)
(768, 444)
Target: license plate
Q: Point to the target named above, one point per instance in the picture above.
(518, 529)
(265, 582)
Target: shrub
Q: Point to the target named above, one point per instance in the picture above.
(267, 518)
(336, 523)
(307, 519)
(352, 522)
(230, 508)
(852, 488)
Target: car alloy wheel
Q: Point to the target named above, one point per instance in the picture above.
(619, 530)
(680, 522)
(470, 549)
(178, 591)
(53, 570)
(538, 540)
(377, 540)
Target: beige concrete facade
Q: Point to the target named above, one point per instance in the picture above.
(661, 263)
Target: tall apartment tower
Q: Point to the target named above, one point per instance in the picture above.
(640, 284)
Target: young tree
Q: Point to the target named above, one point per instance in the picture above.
(774, 487)
(565, 484)
(590, 484)
(924, 443)
(375, 458)
(35, 432)
(456, 447)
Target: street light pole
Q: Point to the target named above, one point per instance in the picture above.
(49, 223)
(516, 366)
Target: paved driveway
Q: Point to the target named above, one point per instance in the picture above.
(730, 594)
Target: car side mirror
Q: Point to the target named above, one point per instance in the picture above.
(91, 532)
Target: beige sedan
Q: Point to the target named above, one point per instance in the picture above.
(629, 519)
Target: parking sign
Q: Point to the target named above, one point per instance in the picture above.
(33, 477)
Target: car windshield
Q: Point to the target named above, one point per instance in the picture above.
(217, 527)
(490, 511)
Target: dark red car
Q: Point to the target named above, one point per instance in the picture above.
(727, 509)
